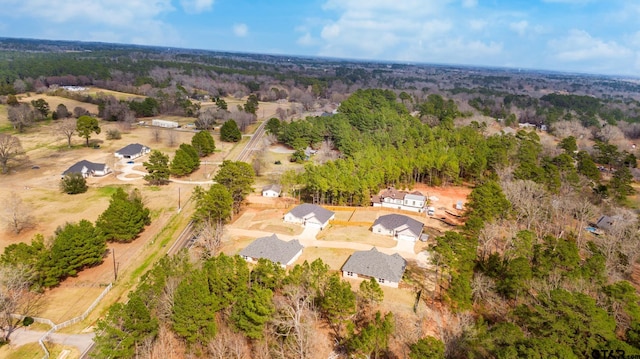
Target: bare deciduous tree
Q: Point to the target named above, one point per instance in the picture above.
(11, 152)
(206, 119)
(21, 116)
(67, 128)
(228, 345)
(210, 237)
(17, 300)
(17, 214)
(156, 135)
(172, 138)
(529, 199)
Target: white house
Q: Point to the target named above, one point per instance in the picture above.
(309, 215)
(274, 249)
(398, 226)
(386, 269)
(164, 123)
(132, 151)
(87, 169)
(408, 201)
(272, 190)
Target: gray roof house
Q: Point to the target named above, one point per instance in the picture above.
(309, 215)
(386, 269)
(272, 190)
(399, 226)
(273, 249)
(87, 168)
(133, 150)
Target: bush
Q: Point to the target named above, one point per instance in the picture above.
(73, 183)
(113, 134)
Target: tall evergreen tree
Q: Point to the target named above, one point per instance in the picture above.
(157, 168)
(125, 217)
(238, 177)
(252, 311)
(193, 312)
(203, 143)
(229, 132)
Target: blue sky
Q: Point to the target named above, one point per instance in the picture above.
(590, 36)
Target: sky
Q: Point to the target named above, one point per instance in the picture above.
(584, 36)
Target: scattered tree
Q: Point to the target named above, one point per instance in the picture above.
(73, 183)
(21, 116)
(185, 161)
(66, 127)
(17, 214)
(229, 132)
(41, 106)
(157, 168)
(61, 112)
(113, 134)
(87, 125)
(17, 297)
(11, 152)
(237, 177)
(203, 143)
(125, 217)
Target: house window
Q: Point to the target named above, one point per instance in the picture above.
(350, 274)
(414, 203)
(380, 280)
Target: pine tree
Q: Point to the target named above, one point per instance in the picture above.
(203, 143)
(157, 168)
(193, 312)
(185, 161)
(125, 217)
(229, 132)
(253, 311)
(237, 177)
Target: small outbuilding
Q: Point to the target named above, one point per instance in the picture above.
(272, 190)
(274, 249)
(386, 269)
(132, 151)
(309, 215)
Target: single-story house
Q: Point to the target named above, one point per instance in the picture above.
(274, 249)
(408, 201)
(272, 190)
(399, 226)
(87, 169)
(309, 215)
(132, 151)
(386, 269)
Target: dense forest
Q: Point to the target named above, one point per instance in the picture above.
(521, 279)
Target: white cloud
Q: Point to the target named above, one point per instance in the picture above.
(469, 3)
(477, 24)
(571, 2)
(196, 6)
(240, 30)
(579, 45)
(125, 21)
(306, 40)
(519, 27)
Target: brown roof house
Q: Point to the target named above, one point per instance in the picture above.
(386, 269)
(408, 201)
(274, 249)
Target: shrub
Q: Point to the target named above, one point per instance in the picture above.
(73, 183)
(113, 134)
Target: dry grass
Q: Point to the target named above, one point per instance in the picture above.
(33, 350)
(54, 101)
(94, 91)
(333, 257)
(356, 234)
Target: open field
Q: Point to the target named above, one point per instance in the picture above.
(54, 101)
(356, 234)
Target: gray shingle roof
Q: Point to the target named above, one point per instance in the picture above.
(398, 221)
(272, 187)
(273, 249)
(131, 149)
(372, 263)
(307, 210)
(77, 168)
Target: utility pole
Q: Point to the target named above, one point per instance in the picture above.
(179, 199)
